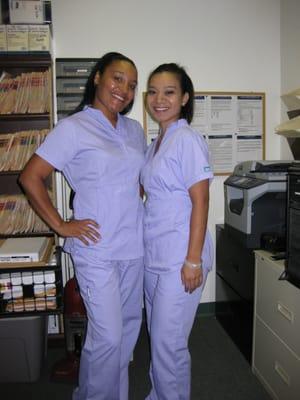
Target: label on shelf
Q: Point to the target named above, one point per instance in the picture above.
(17, 37)
(38, 38)
(3, 40)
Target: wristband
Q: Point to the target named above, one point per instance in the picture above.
(192, 265)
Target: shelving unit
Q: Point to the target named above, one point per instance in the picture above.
(31, 289)
(16, 124)
(290, 129)
(20, 294)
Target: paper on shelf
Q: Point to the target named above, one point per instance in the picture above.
(289, 128)
(292, 99)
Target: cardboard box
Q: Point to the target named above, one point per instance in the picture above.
(24, 249)
(3, 40)
(26, 12)
(22, 259)
(17, 37)
(38, 38)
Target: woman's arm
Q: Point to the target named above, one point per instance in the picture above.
(32, 180)
(199, 194)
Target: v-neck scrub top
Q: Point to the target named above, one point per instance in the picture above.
(181, 161)
(102, 165)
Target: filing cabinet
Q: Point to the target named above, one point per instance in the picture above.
(71, 77)
(74, 67)
(68, 103)
(235, 289)
(70, 85)
(276, 345)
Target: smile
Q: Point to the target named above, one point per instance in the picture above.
(159, 109)
(118, 97)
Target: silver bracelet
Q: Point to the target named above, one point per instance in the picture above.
(192, 265)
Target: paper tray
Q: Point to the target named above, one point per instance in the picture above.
(41, 263)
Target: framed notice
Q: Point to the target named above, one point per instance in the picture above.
(232, 123)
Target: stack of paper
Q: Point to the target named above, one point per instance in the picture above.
(25, 93)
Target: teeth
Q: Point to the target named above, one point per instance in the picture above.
(118, 97)
(161, 108)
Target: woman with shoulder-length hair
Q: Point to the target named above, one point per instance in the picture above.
(178, 247)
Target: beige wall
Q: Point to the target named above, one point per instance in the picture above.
(227, 45)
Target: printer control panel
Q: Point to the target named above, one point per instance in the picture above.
(243, 182)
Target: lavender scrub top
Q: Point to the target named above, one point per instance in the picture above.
(102, 165)
(181, 161)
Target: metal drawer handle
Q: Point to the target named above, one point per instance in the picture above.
(289, 315)
(282, 373)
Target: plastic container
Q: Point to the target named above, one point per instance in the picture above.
(23, 347)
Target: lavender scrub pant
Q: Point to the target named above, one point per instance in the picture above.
(112, 293)
(170, 316)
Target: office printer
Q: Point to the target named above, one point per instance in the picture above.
(255, 201)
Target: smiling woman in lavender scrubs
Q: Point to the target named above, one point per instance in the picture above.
(100, 152)
(178, 248)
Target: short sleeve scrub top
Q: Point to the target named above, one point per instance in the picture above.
(102, 165)
(181, 161)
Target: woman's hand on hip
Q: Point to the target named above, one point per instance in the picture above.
(191, 278)
(86, 230)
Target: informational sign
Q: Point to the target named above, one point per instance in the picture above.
(233, 124)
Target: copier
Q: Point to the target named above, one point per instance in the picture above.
(255, 201)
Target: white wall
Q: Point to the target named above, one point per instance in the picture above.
(290, 57)
(226, 45)
(290, 45)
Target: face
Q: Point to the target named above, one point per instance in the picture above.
(165, 98)
(115, 88)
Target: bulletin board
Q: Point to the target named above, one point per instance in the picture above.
(232, 123)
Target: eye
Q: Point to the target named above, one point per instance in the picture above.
(118, 78)
(150, 92)
(132, 87)
(169, 92)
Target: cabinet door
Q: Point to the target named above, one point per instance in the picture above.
(235, 264)
(275, 365)
(278, 302)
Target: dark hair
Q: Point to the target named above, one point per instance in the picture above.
(90, 89)
(186, 84)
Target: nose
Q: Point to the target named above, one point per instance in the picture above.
(159, 97)
(125, 87)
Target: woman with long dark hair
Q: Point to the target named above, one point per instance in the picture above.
(100, 152)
